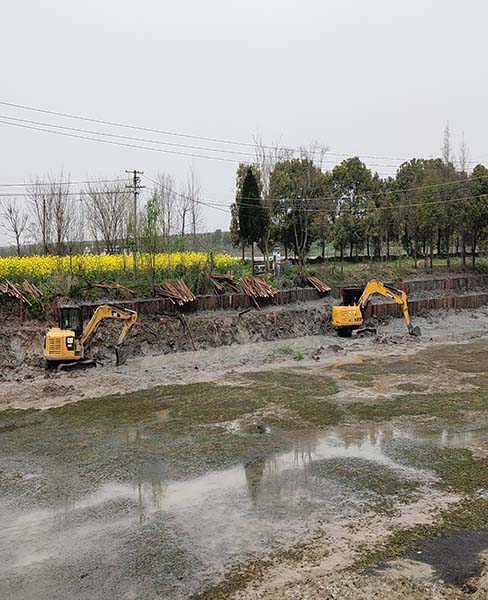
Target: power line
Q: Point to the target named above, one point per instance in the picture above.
(37, 183)
(342, 210)
(225, 208)
(218, 206)
(159, 142)
(84, 137)
(127, 137)
(95, 181)
(192, 136)
(138, 127)
(374, 194)
(126, 125)
(78, 193)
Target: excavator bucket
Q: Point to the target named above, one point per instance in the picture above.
(120, 356)
(415, 331)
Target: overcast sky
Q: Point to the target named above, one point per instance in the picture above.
(379, 78)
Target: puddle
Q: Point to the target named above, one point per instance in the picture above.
(451, 438)
(137, 531)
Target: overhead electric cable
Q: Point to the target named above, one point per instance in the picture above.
(35, 182)
(217, 206)
(195, 137)
(159, 142)
(93, 139)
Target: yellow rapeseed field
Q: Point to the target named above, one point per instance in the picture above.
(92, 266)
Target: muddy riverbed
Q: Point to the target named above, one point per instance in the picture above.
(306, 468)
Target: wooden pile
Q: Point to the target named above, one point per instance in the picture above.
(19, 290)
(219, 281)
(256, 288)
(319, 285)
(32, 289)
(111, 285)
(176, 291)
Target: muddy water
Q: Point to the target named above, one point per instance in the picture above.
(119, 506)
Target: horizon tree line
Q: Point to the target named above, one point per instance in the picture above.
(429, 207)
(57, 219)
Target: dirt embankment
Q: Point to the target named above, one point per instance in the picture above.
(155, 335)
(22, 343)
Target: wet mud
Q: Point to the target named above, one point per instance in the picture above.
(269, 472)
(455, 558)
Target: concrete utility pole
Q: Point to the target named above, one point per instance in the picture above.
(135, 187)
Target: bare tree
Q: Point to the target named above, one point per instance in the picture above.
(13, 221)
(164, 192)
(62, 212)
(52, 212)
(183, 209)
(107, 209)
(40, 207)
(266, 157)
(193, 193)
(446, 147)
(463, 159)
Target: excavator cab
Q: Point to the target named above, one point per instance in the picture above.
(348, 316)
(351, 295)
(70, 318)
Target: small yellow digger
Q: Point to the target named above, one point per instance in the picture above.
(65, 346)
(349, 316)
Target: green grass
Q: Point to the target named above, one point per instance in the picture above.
(457, 468)
(304, 394)
(443, 405)
(365, 475)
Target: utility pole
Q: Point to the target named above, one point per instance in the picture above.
(135, 187)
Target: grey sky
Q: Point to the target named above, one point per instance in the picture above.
(380, 78)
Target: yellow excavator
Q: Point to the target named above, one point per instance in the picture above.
(350, 316)
(66, 346)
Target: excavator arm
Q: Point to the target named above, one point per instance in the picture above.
(398, 296)
(106, 311)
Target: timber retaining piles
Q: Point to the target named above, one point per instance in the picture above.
(238, 301)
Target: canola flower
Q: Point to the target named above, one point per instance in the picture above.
(93, 266)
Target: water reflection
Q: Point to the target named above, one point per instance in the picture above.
(209, 521)
(286, 476)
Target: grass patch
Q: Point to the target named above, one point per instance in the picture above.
(365, 475)
(457, 468)
(411, 387)
(302, 382)
(442, 405)
(302, 393)
(465, 358)
(287, 350)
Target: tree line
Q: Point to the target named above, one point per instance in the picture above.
(430, 207)
(55, 217)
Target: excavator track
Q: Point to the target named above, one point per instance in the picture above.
(86, 363)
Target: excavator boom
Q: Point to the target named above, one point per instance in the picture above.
(106, 311)
(62, 344)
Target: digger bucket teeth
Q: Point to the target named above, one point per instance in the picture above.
(120, 356)
(415, 331)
